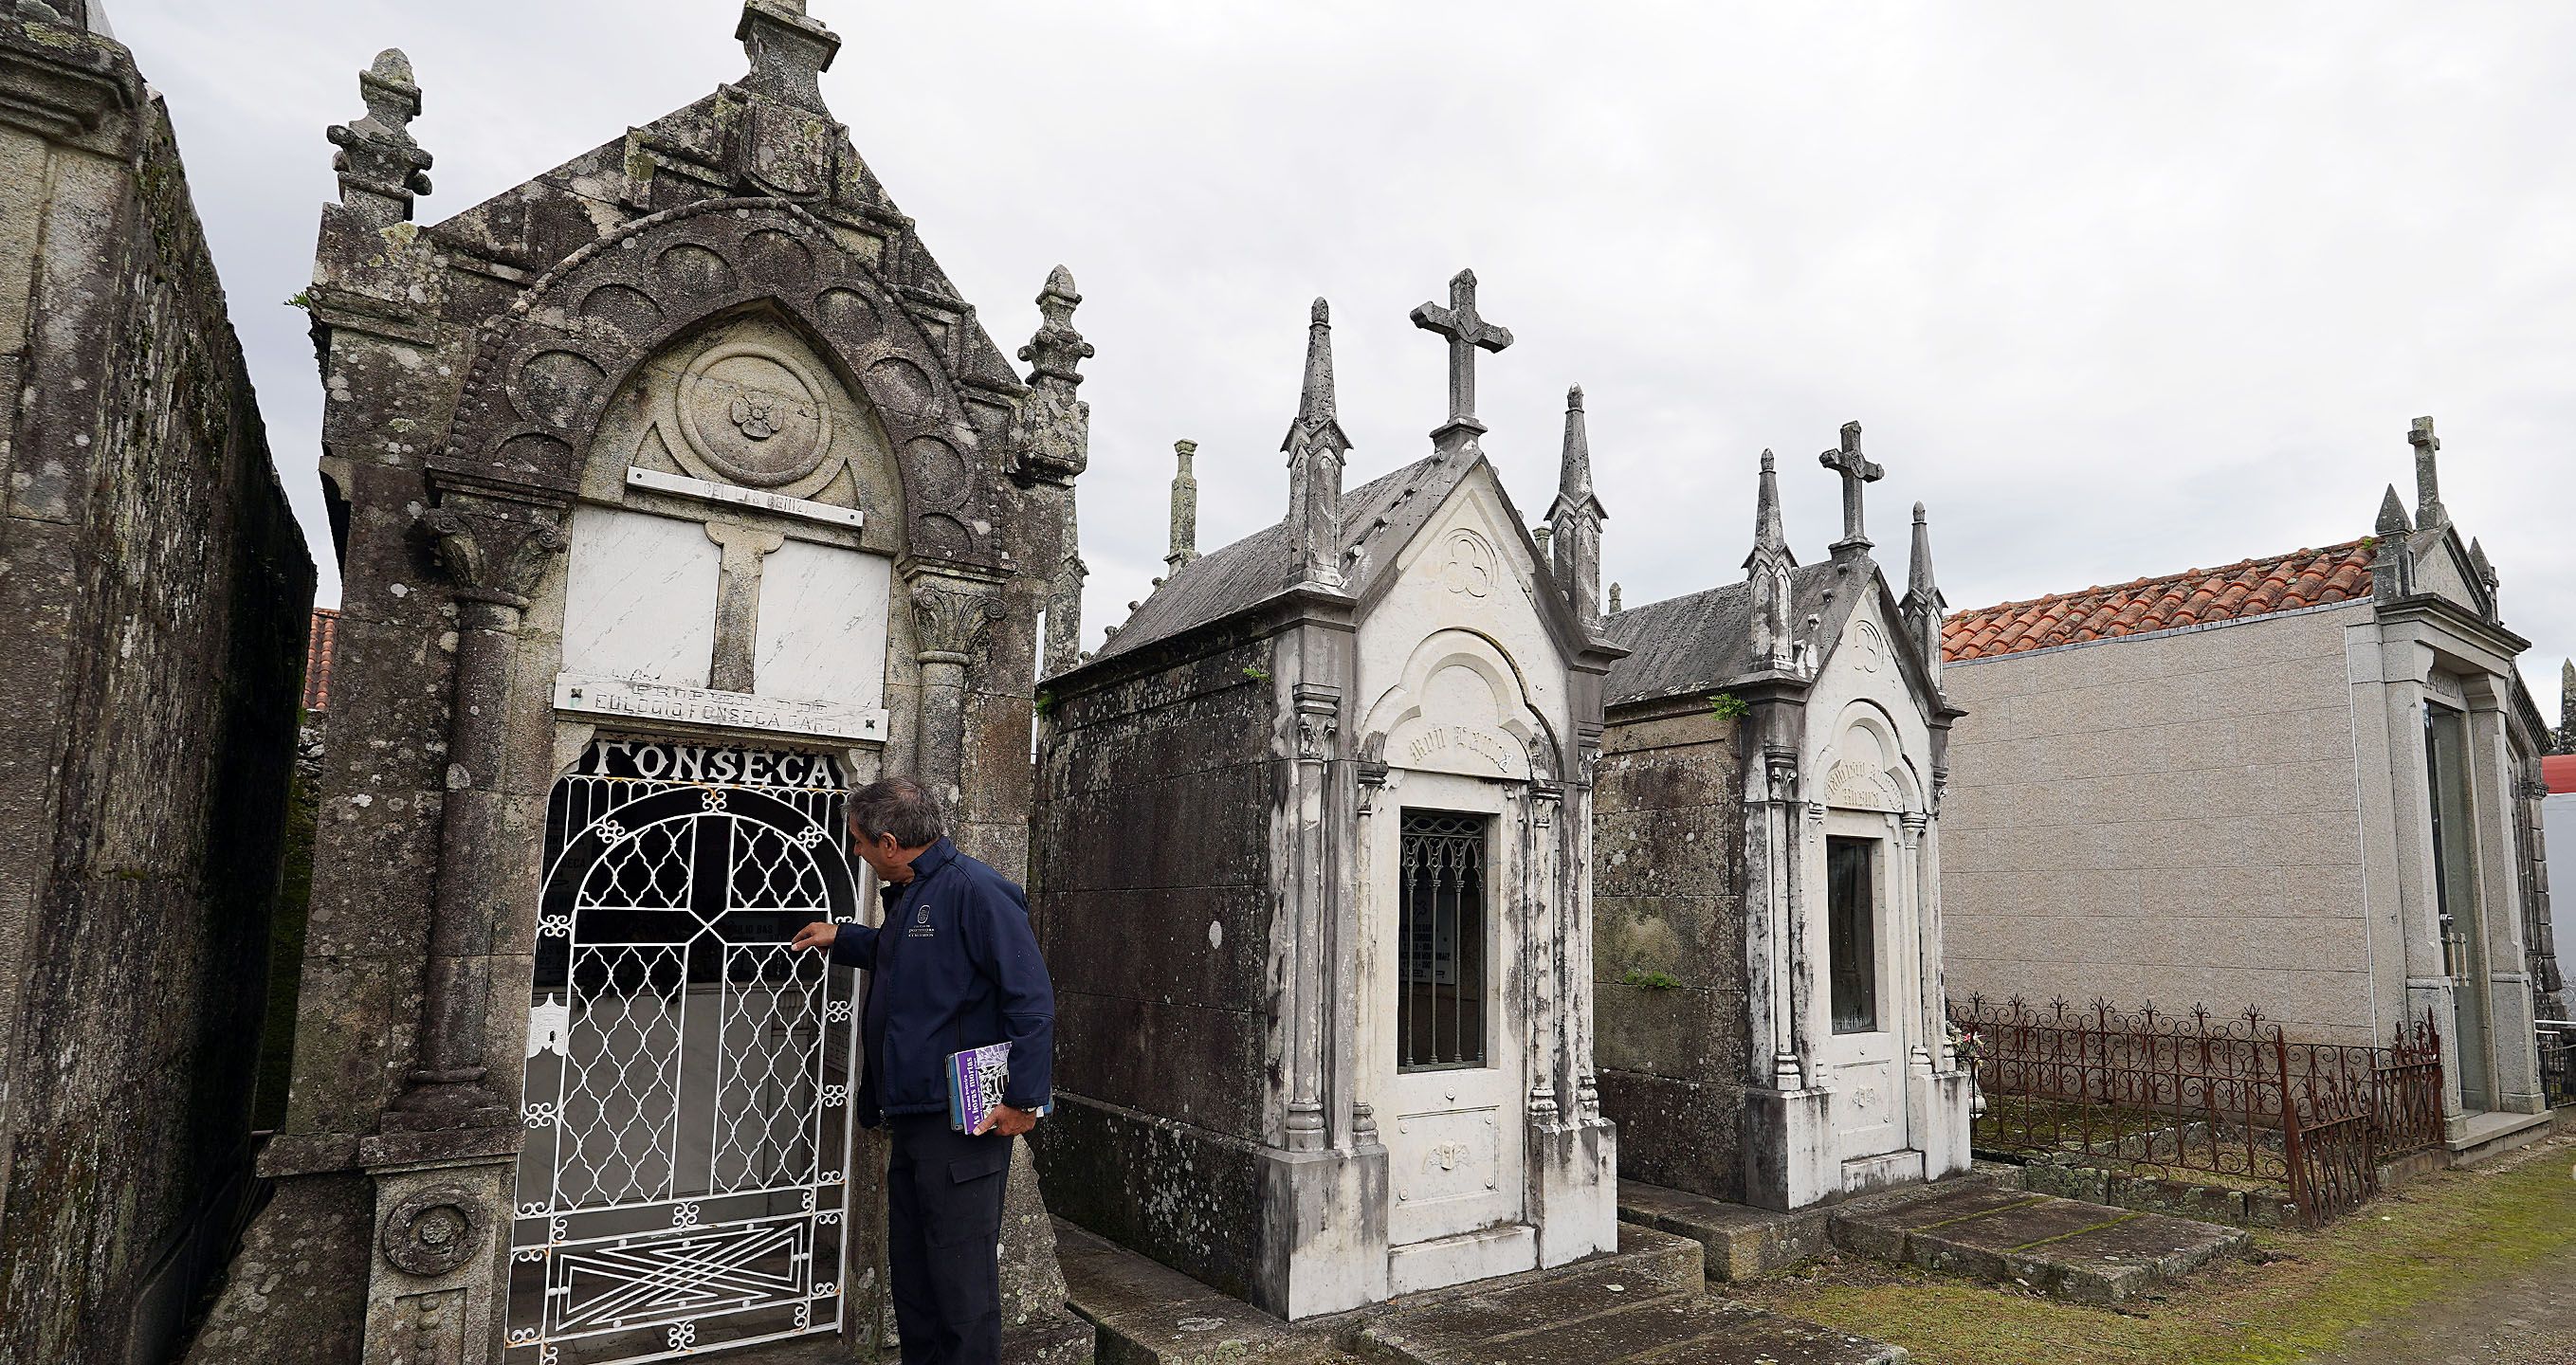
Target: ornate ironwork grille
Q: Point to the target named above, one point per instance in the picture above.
(1440, 999)
(688, 1078)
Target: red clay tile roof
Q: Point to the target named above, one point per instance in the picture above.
(2558, 773)
(2256, 587)
(317, 659)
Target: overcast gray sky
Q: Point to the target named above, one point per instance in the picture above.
(2116, 290)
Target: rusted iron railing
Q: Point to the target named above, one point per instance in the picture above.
(2557, 1038)
(2230, 1097)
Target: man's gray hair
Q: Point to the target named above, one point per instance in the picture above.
(896, 806)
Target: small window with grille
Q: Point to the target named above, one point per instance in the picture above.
(1851, 950)
(1441, 917)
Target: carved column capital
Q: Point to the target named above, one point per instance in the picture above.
(953, 621)
(490, 557)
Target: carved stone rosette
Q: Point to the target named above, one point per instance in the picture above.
(434, 1231)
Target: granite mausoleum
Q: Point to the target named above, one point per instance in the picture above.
(675, 491)
(2307, 782)
(153, 591)
(1311, 869)
(1767, 903)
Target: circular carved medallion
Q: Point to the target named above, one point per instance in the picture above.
(1471, 564)
(434, 1231)
(755, 415)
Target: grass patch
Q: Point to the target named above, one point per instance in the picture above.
(2401, 1257)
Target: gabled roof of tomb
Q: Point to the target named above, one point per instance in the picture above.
(1378, 518)
(1701, 640)
(2230, 592)
(709, 149)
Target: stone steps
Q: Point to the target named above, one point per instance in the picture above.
(1605, 1316)
(1643, 1304)
(2065, 1248)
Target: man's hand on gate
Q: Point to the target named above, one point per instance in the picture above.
(1005, 1120)
(819, 934)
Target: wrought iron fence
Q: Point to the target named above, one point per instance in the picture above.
(2230, 1097)
(2557, 1038)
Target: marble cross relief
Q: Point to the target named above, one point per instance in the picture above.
(738, 600)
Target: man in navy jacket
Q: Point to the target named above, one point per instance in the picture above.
(953, 967)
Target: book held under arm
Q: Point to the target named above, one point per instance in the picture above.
(976, 1079)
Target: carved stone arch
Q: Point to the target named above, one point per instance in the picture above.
(1531, 740)
(545, 371)
(1865, 765)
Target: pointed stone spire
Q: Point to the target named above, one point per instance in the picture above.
(2392, 516)
(1574, 519)
(2567, 705)
(1185, 507)
(789, 52)
(2486, 574)
(1774, 646)
(1055, 448)
(1923, 604)
(1316, 450)
(381, 167)
(2429, 511)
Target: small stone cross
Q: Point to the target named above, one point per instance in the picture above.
(2428, 485)
(1466, 331)
(1856, 470)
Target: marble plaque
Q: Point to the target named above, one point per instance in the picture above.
(640, 700)
(687, 487)
(822, 624)
(641, 599)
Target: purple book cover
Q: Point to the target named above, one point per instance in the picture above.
(976, 1079)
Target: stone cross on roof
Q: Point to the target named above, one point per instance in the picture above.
(1856, 470)
(2428, 488)
(1466, 330)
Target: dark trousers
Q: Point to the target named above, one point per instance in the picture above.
(943, 1234)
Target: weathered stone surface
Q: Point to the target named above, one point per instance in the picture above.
(2065, 1248)
(1739, 1242)
(716, 332)
(153, 594)
(1612, 1310)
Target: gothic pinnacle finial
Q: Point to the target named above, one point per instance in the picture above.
(2428, 487)
(1918, 574)
(1316, 450)
(2392, 516)
(1923, 604)
(381, 166)
(1768, 535)
(1317, 416)
(1615, 606)
(1575, 518)
(789, 51)
(1185, 507)
(1574, 464)
(1057, 351)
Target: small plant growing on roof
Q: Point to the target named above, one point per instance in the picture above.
(1256, 672)
(1653, 981)
(1728, 706)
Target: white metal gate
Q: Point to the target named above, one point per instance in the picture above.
(688, 1079)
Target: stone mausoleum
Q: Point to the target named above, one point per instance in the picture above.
(153, 591)
(675, 491)
(1767, 903)
(2305, 782)
(1311, 869)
